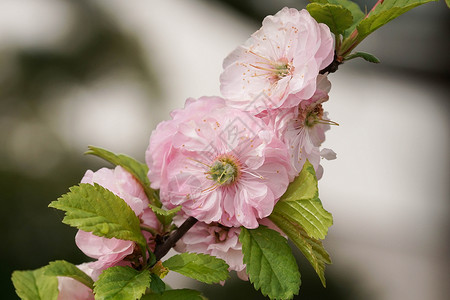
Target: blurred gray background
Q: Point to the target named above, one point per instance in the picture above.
(104, 73)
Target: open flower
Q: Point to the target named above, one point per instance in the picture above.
(109, 252)
(303, 128)
(220, 164)
(282, 60)
(216, 240)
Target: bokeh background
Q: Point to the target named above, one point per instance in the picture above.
(104, 73)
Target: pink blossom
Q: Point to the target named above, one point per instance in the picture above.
(303, 128)
(110, 252)
(219, 163)
(219, 241)
(216, 240)
(282, 60)
(71, 289)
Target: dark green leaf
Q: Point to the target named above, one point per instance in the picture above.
(64, 268)
(311, 248)
(336, 17)
(137, 169)
(34, 285)
(366, 56)
(95, 209)
(182, 294)
(270, 264)
(202, 267)
(121, 283)
(157, 285)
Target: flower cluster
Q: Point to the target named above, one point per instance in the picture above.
(227, 161)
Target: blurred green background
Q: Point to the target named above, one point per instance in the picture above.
(75, 73)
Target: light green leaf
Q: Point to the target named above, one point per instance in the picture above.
(64, 268)
(270, 264)
(311, 248)
(95, 209)
(300, 205)
(366, 56)
(448, 3)
(202, 267)
(121, 283)
(308, 214)
(165, 216)
(384, 13)
(182, 294)
(137, 169)
(336, 17)
(304, 187)
(34, 285)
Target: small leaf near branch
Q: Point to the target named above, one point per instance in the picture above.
(366, 56)
(137, 169)
(202, 267)
(121, 283)
(35, 285)
(270, 264)
(181, 294)
(64, 268)
(165, 216)
(95, 209)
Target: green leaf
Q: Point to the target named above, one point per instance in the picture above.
(366, 56)
(334, 16)
(270, 264)
(202, 267)
(311, 248)
(301, 206)
(34, 285)
(448, 3)
(183, 294)
(304, 187)
(156, 284)
(121, 283)
(356, 12)
(95, 209)
(137, 169)
(165, 216)
(384, 13)
(64, 268)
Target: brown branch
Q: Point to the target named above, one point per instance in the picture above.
(162, 249)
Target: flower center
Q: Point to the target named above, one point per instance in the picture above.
(224, 171)
(314, 116)
(273, 70)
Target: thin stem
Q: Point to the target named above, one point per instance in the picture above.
(149, 229)
(163, 248)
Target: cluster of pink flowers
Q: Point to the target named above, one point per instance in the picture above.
(227, 161)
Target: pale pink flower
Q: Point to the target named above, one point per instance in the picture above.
(71, 289)
(219, 163)
(303, 128)
(110, 252)
(216, 240)
(282, 60)
(219, 241)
